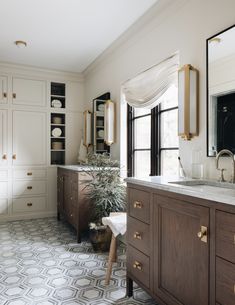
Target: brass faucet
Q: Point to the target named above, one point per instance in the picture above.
(230, 154)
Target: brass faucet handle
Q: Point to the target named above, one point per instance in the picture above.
(221, 178)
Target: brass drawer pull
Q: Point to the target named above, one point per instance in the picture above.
(29, 204)
(137, 205)
(137, 235)
(202, 235)
(29, 174)
(14, 95)
(137, 265)
(4, 94)
(14, 157)
(29, 187)
(4, 157)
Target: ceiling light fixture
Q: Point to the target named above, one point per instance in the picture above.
(21, 44)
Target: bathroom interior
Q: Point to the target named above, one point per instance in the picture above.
(117, 144)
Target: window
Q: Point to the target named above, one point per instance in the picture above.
(153, 137)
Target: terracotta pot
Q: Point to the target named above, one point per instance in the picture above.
(100, 239)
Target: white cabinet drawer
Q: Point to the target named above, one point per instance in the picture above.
(30, 204)
(29, 173)
(3, 175)
(22, 188)
(3, 189)
(3, 206)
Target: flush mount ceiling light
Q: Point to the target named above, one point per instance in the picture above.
(21, 44)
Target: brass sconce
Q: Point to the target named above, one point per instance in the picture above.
(109, 127)
(87, 128)
(188, 79)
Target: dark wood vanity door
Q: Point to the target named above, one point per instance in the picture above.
(182, 259)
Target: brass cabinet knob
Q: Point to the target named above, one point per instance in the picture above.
(137, 235)
(14, 157)
(71, 198)
(71, 215)
(4, 94)
(137, 265)
(137, 205)
(29, 174)
(202, 235)
(4, 157)
(29, 187)
(14, 95)
(29, 204)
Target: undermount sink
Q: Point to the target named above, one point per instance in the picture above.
(208, 186)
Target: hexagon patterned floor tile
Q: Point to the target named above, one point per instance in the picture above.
(41, 264)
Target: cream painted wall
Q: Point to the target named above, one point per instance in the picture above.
(173, 25)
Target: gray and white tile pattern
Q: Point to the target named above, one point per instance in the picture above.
(41, 264)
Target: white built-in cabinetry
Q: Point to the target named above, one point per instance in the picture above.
(29, 135)
(27, 176)
(28, 92)
(3, 89)
(3, 137)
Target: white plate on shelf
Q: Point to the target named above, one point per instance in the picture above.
(101, 133)
(101, 107)
(56, 104)
(56, 132)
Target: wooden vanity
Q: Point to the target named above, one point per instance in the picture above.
(180, 248)
(72, 202)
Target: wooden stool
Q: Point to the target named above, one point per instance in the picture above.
(112, 258)
(113, 245)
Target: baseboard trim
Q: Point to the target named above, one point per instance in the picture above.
(4, 218)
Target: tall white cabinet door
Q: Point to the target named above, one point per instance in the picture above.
(3, 137)
(29, 138)
(3, 90)
(28, 92)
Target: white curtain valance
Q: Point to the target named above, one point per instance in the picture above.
(144, 90)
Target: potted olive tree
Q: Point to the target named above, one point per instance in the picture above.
(107, 193)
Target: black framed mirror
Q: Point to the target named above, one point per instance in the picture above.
(220, 49)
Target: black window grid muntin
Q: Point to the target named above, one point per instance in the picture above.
(155, 147)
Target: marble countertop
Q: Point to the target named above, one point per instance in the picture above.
(83, 168)
(218, 192)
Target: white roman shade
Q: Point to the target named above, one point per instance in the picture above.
(144, 90)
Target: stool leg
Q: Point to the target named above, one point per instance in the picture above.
(112, 251)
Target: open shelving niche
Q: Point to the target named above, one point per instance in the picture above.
(58, 120)
(98, 124)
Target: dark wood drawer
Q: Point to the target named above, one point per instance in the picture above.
(225, 235)
(138, 265)
(139, 205)
(225, 282)
(138, 235)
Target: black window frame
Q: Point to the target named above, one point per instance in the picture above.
(155, 148)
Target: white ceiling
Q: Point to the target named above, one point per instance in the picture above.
(64, 34)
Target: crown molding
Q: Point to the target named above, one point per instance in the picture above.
(11, 68)
(157, 14)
